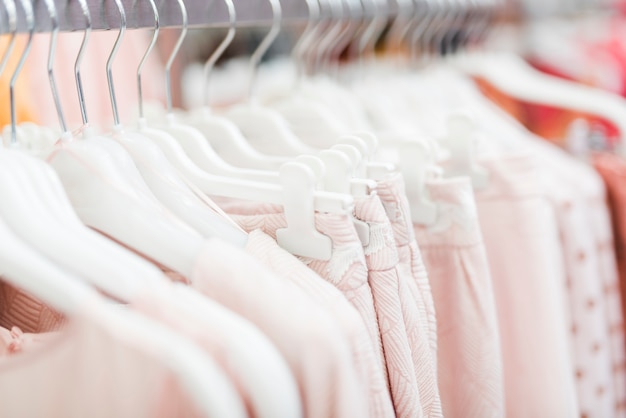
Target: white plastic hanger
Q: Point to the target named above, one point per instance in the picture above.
(162, 178)
(223, 135)
(511, 75)
(191, 139)
(110, 195)
(460, 143)
(264, 128)
(39, 213)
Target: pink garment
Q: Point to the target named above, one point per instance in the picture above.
(395, 295)
(265, 249)
(306, 335)
(521, 237)
(588, 327)
(262, 393)
(469, 353)
(391, 191)
(346, 269)
(98, 366)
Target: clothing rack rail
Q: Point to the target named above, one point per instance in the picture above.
(202, 13)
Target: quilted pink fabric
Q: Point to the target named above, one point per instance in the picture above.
(469, 352)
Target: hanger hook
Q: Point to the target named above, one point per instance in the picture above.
(112, 55)
(54, 19)
(9, 6)
(79, 61)
(333, 31)
(155, 36)
(300, 47)
(255, 58)
(170, 60)
(30, 24)
(209, 65)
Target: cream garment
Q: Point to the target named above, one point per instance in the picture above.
(521, 237)
(346, 269)
(391, 191)
(469, 352)
(265, 249)
(262, 377)
(305, 334)
(91, 366)
(395, 296)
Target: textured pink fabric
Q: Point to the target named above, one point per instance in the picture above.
(346, 269)
(391, 191)
(521, 237)
(469, 353)
(395, 294)
(311, 343)
(266, 250)
(93, 367)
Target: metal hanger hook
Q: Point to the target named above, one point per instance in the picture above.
(30, 23)
(209, 65)
(79, 61)
(109, 65)
(257, 55)
(9, 6)
(172, 57)
(155, 36)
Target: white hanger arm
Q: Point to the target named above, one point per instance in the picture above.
(516, 78)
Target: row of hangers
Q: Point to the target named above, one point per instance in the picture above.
(146, 186)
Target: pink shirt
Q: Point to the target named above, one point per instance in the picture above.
(469, 352)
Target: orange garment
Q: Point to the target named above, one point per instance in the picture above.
(24, 105)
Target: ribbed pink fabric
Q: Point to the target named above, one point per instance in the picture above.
(19, 309)
(391, 191)
(311, 343)
(94, 367)
(521, 237)
(469, 353)
(395, 295)
(266, 250)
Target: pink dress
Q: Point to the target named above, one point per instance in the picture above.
(526, 260)
(266, 250)
(469, 352)
(396, 295)
(305, 334)
(103, 363)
